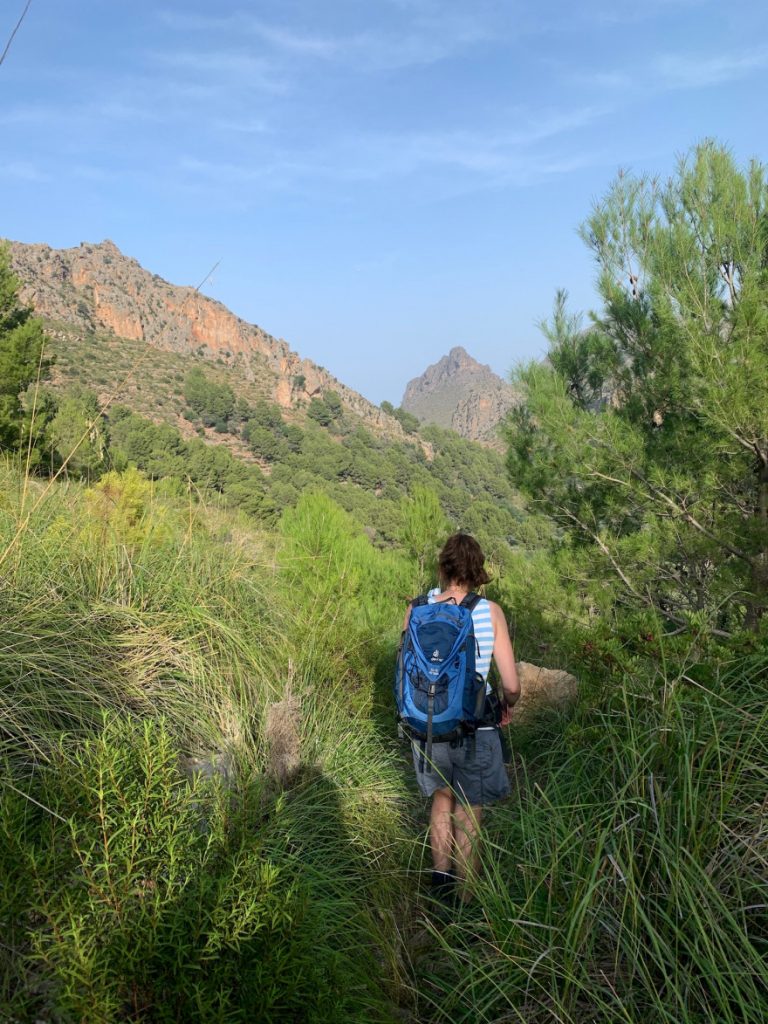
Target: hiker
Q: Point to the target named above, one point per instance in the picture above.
(465, 771)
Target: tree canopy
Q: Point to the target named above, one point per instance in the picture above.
(646, 435)
(22, 361)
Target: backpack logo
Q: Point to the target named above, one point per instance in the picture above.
(436, 655)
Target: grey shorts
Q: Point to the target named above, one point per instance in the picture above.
(474, 770)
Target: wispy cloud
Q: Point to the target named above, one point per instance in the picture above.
(448, 162)
(426, 36)
(86, 116)
(23, 170)
(244, 126)
(607, 12)
(667, 72)
(689, 71)
(225, 67)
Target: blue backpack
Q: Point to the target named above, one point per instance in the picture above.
(438, 692)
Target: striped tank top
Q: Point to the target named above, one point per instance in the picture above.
(481, 620)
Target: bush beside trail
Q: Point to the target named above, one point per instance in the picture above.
(626, 878)
(140, 638)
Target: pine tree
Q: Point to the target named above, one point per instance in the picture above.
(22, 362)
(77, 433)
(647, 434)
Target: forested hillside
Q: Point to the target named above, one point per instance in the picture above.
(218, 422)
(206, 814)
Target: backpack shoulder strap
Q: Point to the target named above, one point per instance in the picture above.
(470, 601)
(417, 602)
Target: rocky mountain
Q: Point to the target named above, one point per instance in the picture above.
(94, 291)
(459, 393)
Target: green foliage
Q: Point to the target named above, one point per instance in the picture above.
(151, 899)
(160, 451)
(77, 433)
(268, 435)
(423, 531)
(323, 456)
(21, 362)
(366, 475)
(121, 504)
(320, 412)
(157, 900)
(626, 881)
(214, 403)
(146, 626)
(266, 415)
(407, 420)
(265, 443)
(333, 404)
(347, 599)
(647, 438)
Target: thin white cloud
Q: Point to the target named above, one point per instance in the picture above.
(23, 170)
(87, 114)
(689, 71)
(296, 42)
(244, 126)
(430, 36)
(226, 67)
(456, 162)
(668, 72)
(477, 152)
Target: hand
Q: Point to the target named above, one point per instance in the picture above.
(506, 715)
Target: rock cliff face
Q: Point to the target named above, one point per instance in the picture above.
(461, 394)
(97, 288)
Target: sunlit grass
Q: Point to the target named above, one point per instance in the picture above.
(113, 625)
(199, 762)
(627, 880)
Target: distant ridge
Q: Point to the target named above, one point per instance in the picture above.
(95, 288)
(461, 394)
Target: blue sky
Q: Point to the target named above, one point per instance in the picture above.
(379, 179)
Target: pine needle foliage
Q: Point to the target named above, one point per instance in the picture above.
(156, 865)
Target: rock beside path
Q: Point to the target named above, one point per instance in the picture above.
(543, 688)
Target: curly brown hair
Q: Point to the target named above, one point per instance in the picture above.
(461, 561)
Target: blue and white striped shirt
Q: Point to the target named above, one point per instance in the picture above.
(481, 620)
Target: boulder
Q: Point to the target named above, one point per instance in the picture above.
(543, 688)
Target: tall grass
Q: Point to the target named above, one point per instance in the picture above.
(204, 816)
(137, 639)
(627, 881)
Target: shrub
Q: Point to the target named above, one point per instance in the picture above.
(154, 899)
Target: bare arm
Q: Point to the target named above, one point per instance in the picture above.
(504, 655)
(407, 618)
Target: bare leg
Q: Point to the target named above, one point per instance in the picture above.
(441, 829)
(466, 833)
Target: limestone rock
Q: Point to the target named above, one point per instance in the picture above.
(543, 688)
(96, 288)
(462, 395)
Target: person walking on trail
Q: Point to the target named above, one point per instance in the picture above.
(466, 772)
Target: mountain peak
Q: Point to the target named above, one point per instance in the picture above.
(461, 394)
